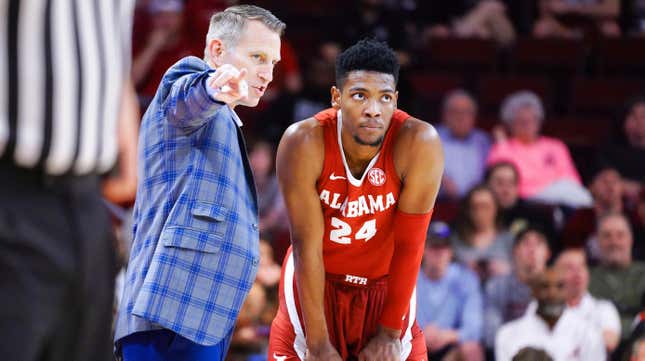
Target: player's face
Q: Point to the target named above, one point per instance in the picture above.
(257, 50)
(367, 101)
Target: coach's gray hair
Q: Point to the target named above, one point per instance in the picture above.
(518, 100)
(227, 25)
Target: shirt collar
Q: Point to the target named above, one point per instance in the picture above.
(237, 119)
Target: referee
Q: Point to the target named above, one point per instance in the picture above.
(63, 66)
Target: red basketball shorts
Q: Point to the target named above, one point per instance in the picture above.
(352, 308)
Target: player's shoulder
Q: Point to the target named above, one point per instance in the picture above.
(415, 131)
(304, 134)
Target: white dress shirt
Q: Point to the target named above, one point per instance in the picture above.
(571, 339)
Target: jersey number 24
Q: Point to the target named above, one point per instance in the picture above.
(342, 232)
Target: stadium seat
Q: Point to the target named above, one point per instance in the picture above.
(493, 89)
(623, 56)
(602, 97)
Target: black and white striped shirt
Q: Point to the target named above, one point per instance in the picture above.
(62, 68)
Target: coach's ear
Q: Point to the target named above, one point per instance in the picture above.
(335, 97)
(216, 50)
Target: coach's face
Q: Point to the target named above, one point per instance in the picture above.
(257, 51)
(367, 101)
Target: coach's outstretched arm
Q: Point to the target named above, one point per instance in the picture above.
(418, 157)
(299, 164)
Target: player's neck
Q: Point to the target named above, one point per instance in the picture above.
(358, 156)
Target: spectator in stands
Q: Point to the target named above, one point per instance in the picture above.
(572, 18)
(580, 230)
(465, 147)
(371, 18)
(481, 242)
(516, 213)
(561, 333)
(602, 314)
(164, 44)
(547, 172)
(507, 297)
(449, 301)
(626, 153)
(272, 212)
(638, 350)
(319, 74)
(486, 19)
(618, 278)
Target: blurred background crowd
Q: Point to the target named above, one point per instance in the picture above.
(540, 106)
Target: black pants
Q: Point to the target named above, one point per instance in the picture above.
(56, 268)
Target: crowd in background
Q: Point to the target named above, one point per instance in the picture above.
(513, 201)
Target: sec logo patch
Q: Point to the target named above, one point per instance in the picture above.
(376, 176)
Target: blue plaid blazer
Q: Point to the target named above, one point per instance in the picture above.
(195, 249)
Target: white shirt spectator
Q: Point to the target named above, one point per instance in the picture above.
(600, 313)
(572, 338)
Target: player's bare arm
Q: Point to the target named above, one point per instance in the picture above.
(300, 160)
(418, 157)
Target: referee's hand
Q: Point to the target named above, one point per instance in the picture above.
(228, 84)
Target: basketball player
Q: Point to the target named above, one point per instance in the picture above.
(360, 181)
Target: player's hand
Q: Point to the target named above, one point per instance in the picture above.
(325, 353)
(385, 346)
(229, 84)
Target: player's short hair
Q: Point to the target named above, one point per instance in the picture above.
(227, 25)
(368, 55)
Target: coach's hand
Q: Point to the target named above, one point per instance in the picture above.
(228, 84)
(326, 352)
(385, 346)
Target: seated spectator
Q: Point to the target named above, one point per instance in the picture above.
(465, 147)
(627, 151)
(600, 313)
(552, 327)
(638, 350)
(516, 213)
(270, 206)
(165, 44)
(580, 230)
(481, 241)
(485, 19)
(507, 297)
(618, 278)
(449, 301)
(573, 18)
(320, 72)
(547, 172)
(372, 18)
(532, 354)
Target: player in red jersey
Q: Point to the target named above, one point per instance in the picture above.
(360, 181)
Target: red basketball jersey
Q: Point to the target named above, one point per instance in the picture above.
(358, 213)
